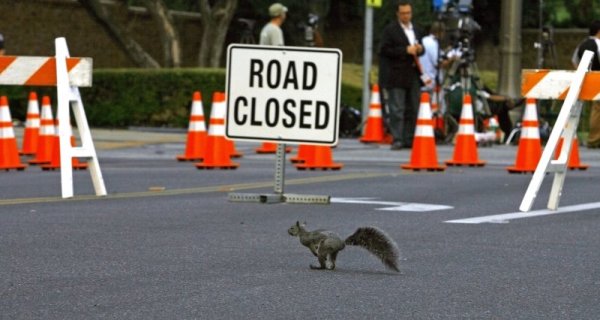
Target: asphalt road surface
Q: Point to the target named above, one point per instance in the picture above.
(166, 243)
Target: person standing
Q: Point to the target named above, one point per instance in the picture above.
(400, 79)
(431, 62)
(271, 34)
(1, 44)
(593, 44)
(434, 62)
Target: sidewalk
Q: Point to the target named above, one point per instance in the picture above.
(106, 139)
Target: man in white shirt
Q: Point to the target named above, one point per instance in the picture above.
(433, 65)
(271, 33)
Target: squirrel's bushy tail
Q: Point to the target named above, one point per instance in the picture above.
(378, 243)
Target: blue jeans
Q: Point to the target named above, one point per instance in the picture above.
(402, 107)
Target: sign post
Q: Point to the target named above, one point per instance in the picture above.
(285, 95)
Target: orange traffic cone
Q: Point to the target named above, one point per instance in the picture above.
(438, 119)
(304, 151)
(32, 126)
(195, 147)
(229, 144)
(320, 157)
(574, 161)
(494, 126)
(218, 153)
(55, 159)
(465, 150)
(233, 152)
(46, 135)
(423, 154)
(529, 151)
(270, 147)
(374, 128)
(9, 154)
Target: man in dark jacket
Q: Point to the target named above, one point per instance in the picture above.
(400, 74)
(1, 44)
(593, 44)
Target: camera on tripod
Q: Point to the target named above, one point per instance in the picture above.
(456, 15)
(309, 28)
(462, 77)
(247, 30)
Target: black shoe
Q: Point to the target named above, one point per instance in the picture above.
(396, 146)
(594, 145)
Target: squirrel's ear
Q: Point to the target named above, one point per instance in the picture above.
(298, 223)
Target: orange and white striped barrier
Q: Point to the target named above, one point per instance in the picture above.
(423, 155)
(32, 126)
(41, 71)
(374, 132)
(530, 145)
(465, 150)
(195, 147)
(218, 155)
(555, 84)
(67, 74)
(9, 155)
(45, 141)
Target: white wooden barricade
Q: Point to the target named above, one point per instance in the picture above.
(553, 85)
(68, 94)
(67, 74)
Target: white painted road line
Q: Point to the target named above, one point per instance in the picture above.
(393, 206)
(506, 217)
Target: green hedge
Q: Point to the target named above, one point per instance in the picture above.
(161, 98)
(141, 97)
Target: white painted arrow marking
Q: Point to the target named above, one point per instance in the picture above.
(393, 206)
(506, 217)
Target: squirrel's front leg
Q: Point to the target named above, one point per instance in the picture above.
(322, 257)
(314, 248)
(321, 266)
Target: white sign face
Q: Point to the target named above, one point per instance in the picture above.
(283, 94)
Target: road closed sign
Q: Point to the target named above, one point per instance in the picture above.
(283, 94)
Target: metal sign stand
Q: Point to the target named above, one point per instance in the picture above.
(279, 196)
(565, 127)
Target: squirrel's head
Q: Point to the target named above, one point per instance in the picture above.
(296, 228)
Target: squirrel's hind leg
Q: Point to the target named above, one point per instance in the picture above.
(331, 258)
(323, 257)
(322, 264)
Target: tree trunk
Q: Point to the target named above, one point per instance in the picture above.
(168, 33)
(215, 23)
(133, 49)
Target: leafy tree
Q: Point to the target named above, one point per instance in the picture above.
(560, 13)
(119, 34)
(215, 19)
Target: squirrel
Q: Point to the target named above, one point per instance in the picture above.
(325, 245)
